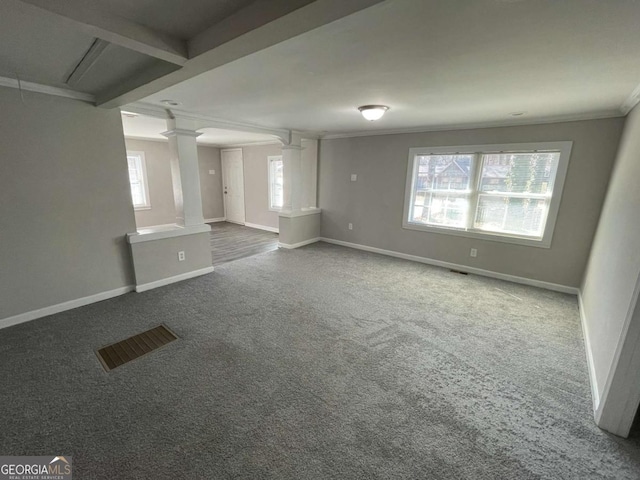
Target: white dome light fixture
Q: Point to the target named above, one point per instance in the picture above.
(373, 112)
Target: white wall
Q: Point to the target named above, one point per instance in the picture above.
(610, 287)
(256, 180)
(163, 210)
(210, 184)
(374, 204)
(65, 202)
(256, 184)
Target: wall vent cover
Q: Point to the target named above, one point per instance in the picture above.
(114, 355)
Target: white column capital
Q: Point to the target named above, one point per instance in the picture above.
(181, 132)
(293, 140)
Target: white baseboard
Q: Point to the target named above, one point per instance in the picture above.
(177, 278)
(262, 227)
(61, 307)
(289, 246)
(214, 220)
(454, 266)
(595, 395)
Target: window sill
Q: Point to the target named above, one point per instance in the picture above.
(300, 213)
(146, 207)
(161, 232)
(492, 237)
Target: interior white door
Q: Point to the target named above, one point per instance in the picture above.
(233, 185)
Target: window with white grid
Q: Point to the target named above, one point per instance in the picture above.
(138, 180)
(276, 182)
(509, 193)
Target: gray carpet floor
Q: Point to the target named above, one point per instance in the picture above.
(319, 363)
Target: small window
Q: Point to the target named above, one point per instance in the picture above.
(509, 193)
(138, 180)
(276, 182)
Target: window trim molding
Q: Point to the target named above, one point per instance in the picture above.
(145, 181)
(564, 147)
(271, 158)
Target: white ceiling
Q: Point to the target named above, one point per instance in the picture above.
(180, 19)
(36, 49)
(436, 63)
(37, 46)
(150, 128)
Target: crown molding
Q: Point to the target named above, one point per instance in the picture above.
(204, 121)
(282, 136)
(249, 144)
(46, 89)
(476, 125)
(206, 144)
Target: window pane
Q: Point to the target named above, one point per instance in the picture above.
(520, 216)
(518, 172)
(443, 172)
(136, 180)
(133, 169)
(276, 179)
(440, 209)
(137, 194)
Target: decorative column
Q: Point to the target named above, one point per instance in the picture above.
(299, 222)
(292, 173)
(184, 171)
(167, 254)
(309, 174)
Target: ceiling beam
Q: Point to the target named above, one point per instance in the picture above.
(251, 17)
(87, 16)
(631, 101)
(231, 40)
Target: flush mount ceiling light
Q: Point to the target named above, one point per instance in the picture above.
(373, 112)
(170, 103)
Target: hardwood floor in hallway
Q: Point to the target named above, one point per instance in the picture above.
(230, 241)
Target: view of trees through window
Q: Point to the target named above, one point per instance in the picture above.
(497, 192)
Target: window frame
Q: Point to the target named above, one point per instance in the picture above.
(145, 181)
(272, 158)
(564, 147)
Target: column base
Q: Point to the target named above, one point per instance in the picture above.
(299, 228)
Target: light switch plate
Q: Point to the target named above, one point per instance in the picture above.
(212, 172)
(354, 177)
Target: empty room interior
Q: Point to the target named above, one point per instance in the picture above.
(320, 239)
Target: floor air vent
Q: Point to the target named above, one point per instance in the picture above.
(112, 356)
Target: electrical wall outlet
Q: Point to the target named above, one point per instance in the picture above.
(354, 177)
(351, 226)
(212, 172)
(181, 256)
(474, 252)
